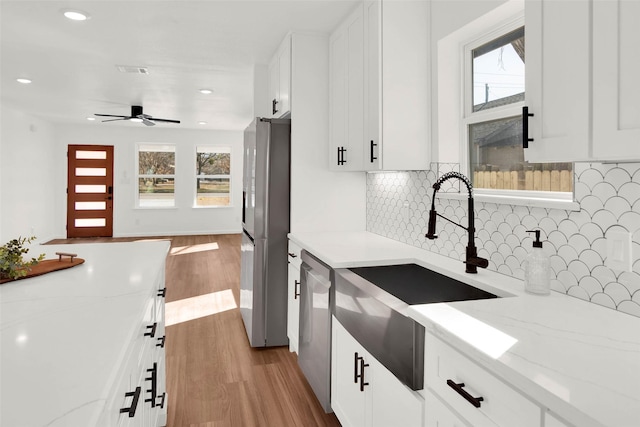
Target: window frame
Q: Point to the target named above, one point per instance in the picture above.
(138, 175)
(200, 148)
(469, 117)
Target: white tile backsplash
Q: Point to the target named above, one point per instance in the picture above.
(398, 206)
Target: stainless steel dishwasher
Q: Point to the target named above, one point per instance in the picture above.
(314, 345)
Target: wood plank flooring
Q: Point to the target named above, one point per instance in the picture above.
(214, 378)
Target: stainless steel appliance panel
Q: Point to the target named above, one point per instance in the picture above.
(265, 220)
(314, 345)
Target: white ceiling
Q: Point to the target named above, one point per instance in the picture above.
(186, 45)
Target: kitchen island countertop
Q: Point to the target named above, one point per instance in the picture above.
(577, 359)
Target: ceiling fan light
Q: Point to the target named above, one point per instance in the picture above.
(136, 119)
(206, 91)
(75, 15)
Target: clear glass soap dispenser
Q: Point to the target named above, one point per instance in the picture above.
(537, 269)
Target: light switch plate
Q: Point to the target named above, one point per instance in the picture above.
(619, 250)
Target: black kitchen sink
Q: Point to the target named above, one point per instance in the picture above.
(415, 284)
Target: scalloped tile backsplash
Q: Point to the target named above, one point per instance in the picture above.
(609, 197)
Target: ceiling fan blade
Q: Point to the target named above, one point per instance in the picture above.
(111, 115)
(165, 120)
(147, 121)
(113, 120)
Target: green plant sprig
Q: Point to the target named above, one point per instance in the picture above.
(12, 263)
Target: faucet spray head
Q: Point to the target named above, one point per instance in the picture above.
(431, 232)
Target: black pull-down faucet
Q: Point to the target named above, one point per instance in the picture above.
(472, 260)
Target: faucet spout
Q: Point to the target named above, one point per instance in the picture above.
(472, 260)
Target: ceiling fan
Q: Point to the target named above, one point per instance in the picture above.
(137, 116)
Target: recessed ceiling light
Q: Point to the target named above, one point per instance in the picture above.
(23, 81)
(91, 118)
(202, 123)
(75, 15)
(206, 91)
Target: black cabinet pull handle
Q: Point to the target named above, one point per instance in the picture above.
(356, 376)
(458, 387)
(525, 127)
(161, 341)
(273, 106)
(296, 287)
(131, 410)
(362, 366)
(372, 156)
(161, 397)
(341, 160)
(292, 255)
(154, 384)
(152, 330)
(162, 292)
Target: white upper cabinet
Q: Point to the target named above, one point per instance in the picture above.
(557, 35)
(280, 80)
(582, 67)
(346, 76)
(379, 84)
(616, 92)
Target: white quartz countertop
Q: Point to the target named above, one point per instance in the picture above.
(578, 359)
(64, 335)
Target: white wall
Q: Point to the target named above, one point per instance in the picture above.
(27, 170)
(131, 221)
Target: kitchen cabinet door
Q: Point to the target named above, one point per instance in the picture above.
(557, 40)
(364, 392)
(280, 80)
(346, 94)
(347, 400)
(391, 403)
(616, 66)
(293, 307)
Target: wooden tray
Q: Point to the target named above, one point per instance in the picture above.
(47, 266)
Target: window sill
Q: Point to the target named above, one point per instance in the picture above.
(567, 205)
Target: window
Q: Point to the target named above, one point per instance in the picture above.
(156, 175)
(213, 176)
(494, 97)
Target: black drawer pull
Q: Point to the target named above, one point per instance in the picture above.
(162, 292)
(525, 127)
(152, 330)
(372, 156)
(162, 397)
(292, 255)
(154, 384)
(296, 287)
(274, 102)
(362, 366)
(161, 341)
(341, 160)
(458, 387)
(131, 410)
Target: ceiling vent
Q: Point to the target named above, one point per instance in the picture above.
(132, 69)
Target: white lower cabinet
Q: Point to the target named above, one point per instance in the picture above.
(293, 297)
(476, 396)
(437, 414)
(364, 392)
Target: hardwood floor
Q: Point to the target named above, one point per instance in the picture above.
(214, 378)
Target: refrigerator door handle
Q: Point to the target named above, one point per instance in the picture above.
(244, 206)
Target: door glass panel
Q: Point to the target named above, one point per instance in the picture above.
(91, 172)
(91, 188)
(91, 206)
(91, 154)
(90, 222)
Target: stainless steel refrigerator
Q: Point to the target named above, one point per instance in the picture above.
(265, 224)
